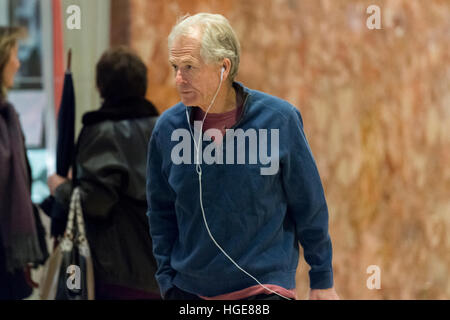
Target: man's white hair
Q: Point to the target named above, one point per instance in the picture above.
(218, 39)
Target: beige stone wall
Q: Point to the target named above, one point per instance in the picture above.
(376, 109)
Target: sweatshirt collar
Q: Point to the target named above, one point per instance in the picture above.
(240, 89)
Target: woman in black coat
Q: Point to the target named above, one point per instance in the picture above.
(19, 243)
(111, 170)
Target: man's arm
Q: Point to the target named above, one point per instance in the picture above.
(307, 206)
(161, 214)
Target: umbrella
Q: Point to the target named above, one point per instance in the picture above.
(65, 151)
(66, 125)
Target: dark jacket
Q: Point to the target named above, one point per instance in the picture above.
(14, 286)
(110, 169)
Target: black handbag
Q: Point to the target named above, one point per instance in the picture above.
(41, 233)
(69, 273)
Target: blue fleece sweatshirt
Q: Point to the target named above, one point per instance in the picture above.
(259, 220)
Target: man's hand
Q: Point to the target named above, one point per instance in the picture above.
(323, 294)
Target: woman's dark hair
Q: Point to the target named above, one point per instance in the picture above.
(121, 73)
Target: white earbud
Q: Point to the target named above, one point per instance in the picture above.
(221, 73)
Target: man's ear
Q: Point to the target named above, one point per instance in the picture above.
(226, 67)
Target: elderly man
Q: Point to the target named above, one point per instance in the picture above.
(223, 224)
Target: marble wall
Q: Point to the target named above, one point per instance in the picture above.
(376, 109)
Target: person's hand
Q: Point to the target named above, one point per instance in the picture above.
(323, 294)
(54, 181)
(28, 278)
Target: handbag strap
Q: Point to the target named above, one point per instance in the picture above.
(81, 232)
(75, 223)
(70, 232)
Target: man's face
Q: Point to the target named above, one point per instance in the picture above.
(195, 80)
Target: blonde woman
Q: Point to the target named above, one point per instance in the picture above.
(19, 244)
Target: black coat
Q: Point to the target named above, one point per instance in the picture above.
(110, 168)
(13, 286)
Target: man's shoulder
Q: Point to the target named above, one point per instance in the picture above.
(171, 118)
(273, 104)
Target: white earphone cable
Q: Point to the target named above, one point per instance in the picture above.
(198, 169)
